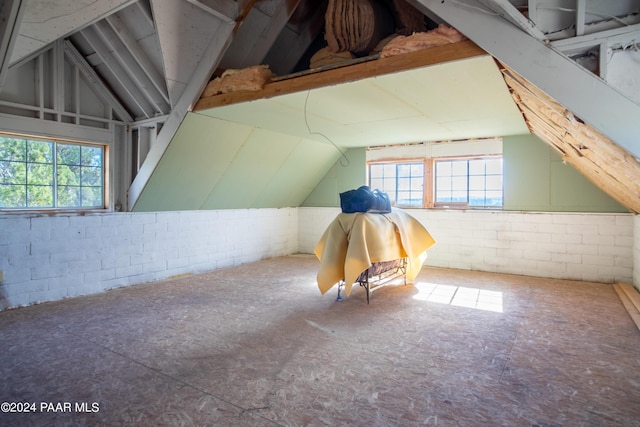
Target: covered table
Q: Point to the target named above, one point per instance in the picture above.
(354, 241)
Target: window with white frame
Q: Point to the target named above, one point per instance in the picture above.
(403, 182)
(473, 182)
(45, 174)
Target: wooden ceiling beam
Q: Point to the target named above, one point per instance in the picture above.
(328, 77)
(607, 165)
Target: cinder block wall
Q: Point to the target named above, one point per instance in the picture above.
(49, 258)
(582, 246)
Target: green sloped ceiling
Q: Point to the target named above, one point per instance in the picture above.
(217, 164)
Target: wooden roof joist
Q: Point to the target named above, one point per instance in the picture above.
(348, 73)
(603, 162)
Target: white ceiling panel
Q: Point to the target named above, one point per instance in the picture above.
(46, 21)
(456, 100)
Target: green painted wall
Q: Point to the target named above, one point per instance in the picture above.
(216, 164)
(536, 179)
(341, 177)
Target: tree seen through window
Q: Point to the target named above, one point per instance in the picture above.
(32, 176)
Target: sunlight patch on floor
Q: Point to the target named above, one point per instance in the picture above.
(459, 296)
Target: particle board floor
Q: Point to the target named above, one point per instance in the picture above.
(257, 345)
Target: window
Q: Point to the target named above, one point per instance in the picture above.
(403, 182)
(469, 182)
(441, 182)
(36, 174)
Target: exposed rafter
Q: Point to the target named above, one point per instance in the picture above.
(613, 114)
(139, 55)
(147, 107)
(508, 11)
(96, 83)
(267, 37)
(605, 164)
(11, 12)
(123, 55)
(227, 10)
(620, 37)
(218, 44)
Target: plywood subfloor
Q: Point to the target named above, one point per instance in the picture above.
(257, 345)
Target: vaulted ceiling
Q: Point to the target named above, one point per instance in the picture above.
(155, 57)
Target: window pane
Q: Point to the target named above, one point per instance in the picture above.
(417, 184)
(91, 176)
(376, 171)
(68, 196)
(443, 197)
(443, 184)
(476, 167)
(68, 154)
(40, 152)
(389, 170)
(404, 170)
(459, 196)
(13, 173)
(40, 174)
(476, 198)
(494, 198)
(91, 156)
(92, 197)
(376, 183)
(494, 182)
(459, 168)
(494, 166)
(13, 149)
(39, 196)
(30, 170)
(13, 196)
(68, 175)
(403, 182)
(477, 182)
(443, 169)
(459, 183)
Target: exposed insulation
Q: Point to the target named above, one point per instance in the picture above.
(356, 25)
(608, 166)
(250, 78)
(325, 57)
(410, 19)
(436, 37)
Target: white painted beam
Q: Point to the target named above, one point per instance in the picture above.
(139, 55)
(581, 10)
(96, 83)
(618, 36)
(98, 45)
(267, 37)
(509, 12)
(11, 12)
(128, 62)
(216, 47)
(227, 10)
(580, 91)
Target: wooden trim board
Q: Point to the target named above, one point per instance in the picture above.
(630, 299)
(361, 70)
